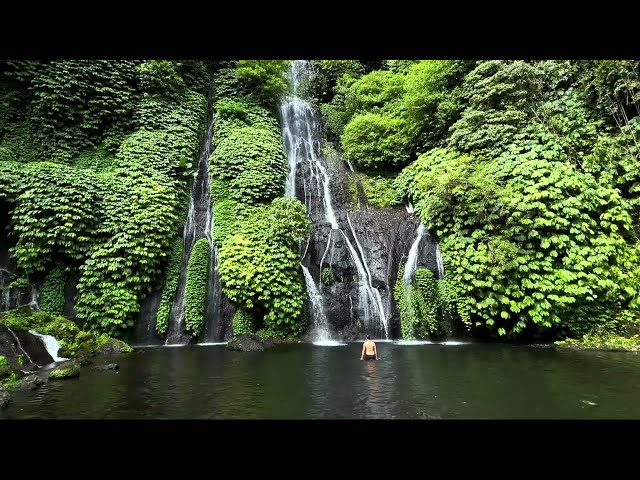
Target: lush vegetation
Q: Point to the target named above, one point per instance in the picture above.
(256, 230)
(172, 275)
(242, 323)
(73, 341)
(196, 287)
(52, 294)
(95, 161)
(527, 173)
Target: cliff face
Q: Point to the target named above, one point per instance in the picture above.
(380, 239)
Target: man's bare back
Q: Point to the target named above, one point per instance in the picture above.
(369, 349)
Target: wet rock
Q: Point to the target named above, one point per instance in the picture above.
(85, 361)
(246, 343)
(31, 382)
(66, 370)
(380, 237)
(26, 346)
(4, 398)
(108, 366)
(350, 333)
(114, 346)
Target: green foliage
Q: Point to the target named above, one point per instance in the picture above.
(378, 90)
(160, 77)
(132, 132)
(55, 215)
(264, 79)
(172, 275)
(260, 268)
(52, 295)
(326, 75)
(327, 276)
(258, 258)
(242, 323)
(98, 159)
(376, 141)
(77, 102)
(225, 220)
(42, 322)
(528, 240)
(422, 305)
(432, 99)
(610, 342)
(196, 286)
(5, 368)
(66, 370)
(252, 160)
(500, 96)
(617, 85)
(12, 382)
(379, 191)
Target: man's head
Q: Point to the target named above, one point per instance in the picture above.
(368, 337)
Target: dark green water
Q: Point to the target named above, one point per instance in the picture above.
(308, 381)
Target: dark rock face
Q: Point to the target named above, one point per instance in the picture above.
(246, 343)
(217, 322)
(380, 237)
(25, 344)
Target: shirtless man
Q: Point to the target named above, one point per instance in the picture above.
(369, 350)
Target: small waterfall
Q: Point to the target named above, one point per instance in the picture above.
(213, 331)
(317, 310)
(412, 259)
(439, 262)
(35, 296)
(197, 225)
(302, 139)
(51, 344)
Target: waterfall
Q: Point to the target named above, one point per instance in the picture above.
(317, 310)
(302, 136)
(412, 259)
(197, 225)
(51, 344)
(35, 296)
(15, 297)
(439, 262)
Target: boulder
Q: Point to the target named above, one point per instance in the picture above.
(66, 370)
(31, 382)
(246, 343)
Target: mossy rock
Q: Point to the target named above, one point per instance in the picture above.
(66, 370)
(25, 318)
(5, 368)
(109, 346)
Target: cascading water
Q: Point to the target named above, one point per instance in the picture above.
(317, 313)
(197, 225)
(439, 262)
(302, 139)
(412, 259)
(51, 344)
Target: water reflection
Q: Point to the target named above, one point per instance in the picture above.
(309, 381)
